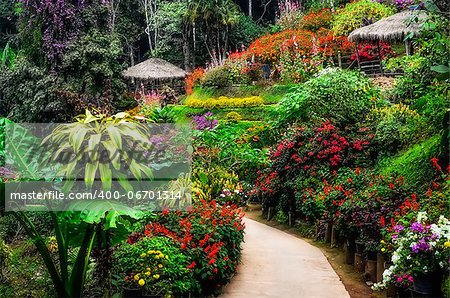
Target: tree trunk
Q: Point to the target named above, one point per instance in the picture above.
(187, 48)
(250, 9)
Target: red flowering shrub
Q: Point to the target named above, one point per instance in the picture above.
(210, 234)
(296, 54)
(193, 78)
(330, 44)
(316, 20)
(369, 51)
(307, 155)
(268, 48)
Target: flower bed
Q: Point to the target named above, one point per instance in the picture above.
(195, 251)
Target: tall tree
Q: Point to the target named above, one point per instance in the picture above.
(217, 17)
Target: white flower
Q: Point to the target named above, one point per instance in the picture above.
(422, 217)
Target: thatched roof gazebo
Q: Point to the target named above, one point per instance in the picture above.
(156, 73)
(392, 29)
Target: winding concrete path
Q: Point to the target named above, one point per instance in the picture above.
(276, 264)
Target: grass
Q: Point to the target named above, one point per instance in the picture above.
(414, 163)
(263, 113)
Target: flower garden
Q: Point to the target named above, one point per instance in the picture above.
(282, 119)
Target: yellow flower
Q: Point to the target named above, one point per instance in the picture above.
(447, 244)
(382, 242)
(383, 249)
(141, 282)
(167, 256)
(148, 269)
(157, 257)
(161, 255)
(143, 255)
(160, 265)
(156, 276)
(148, 273)
(136, 277)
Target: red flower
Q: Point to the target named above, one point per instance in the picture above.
(435, 162)
(192, 265)
(211, 262)
(382, 222)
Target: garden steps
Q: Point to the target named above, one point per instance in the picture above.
(277, 264)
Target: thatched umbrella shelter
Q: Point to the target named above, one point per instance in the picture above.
(156, 73)
(392, 29)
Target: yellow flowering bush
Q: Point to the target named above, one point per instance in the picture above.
(233, 116)
(210, 183)
(223, 102)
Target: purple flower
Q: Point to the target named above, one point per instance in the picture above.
(420, 246)
(206, 121)
(398, 228)
(417, 227)
(402, 4)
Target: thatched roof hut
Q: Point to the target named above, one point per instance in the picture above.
(391, 29)
(154, 69)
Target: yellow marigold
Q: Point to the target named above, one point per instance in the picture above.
(143, 255)
(447, 244)
(141, 282)
(156, 276)
(136, 277)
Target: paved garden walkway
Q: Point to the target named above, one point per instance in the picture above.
(276, 264)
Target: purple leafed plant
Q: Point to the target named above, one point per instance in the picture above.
(61, 22)
(402, 4)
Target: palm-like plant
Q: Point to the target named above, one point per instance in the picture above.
(77, 231)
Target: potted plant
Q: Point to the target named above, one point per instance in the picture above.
(420, 257)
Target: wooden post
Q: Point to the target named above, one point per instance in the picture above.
(380, 267)
(339, 59)
(334, 236)
(379, 57)
(408, 47)
(357, 55)
(359, 263)
(328, 233)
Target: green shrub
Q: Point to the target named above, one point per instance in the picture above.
(432, 107)
(260, 113)
(216, 77)
(413, 164)
(395, 127)
(358, 14)
(343, 96)
(168, 274)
